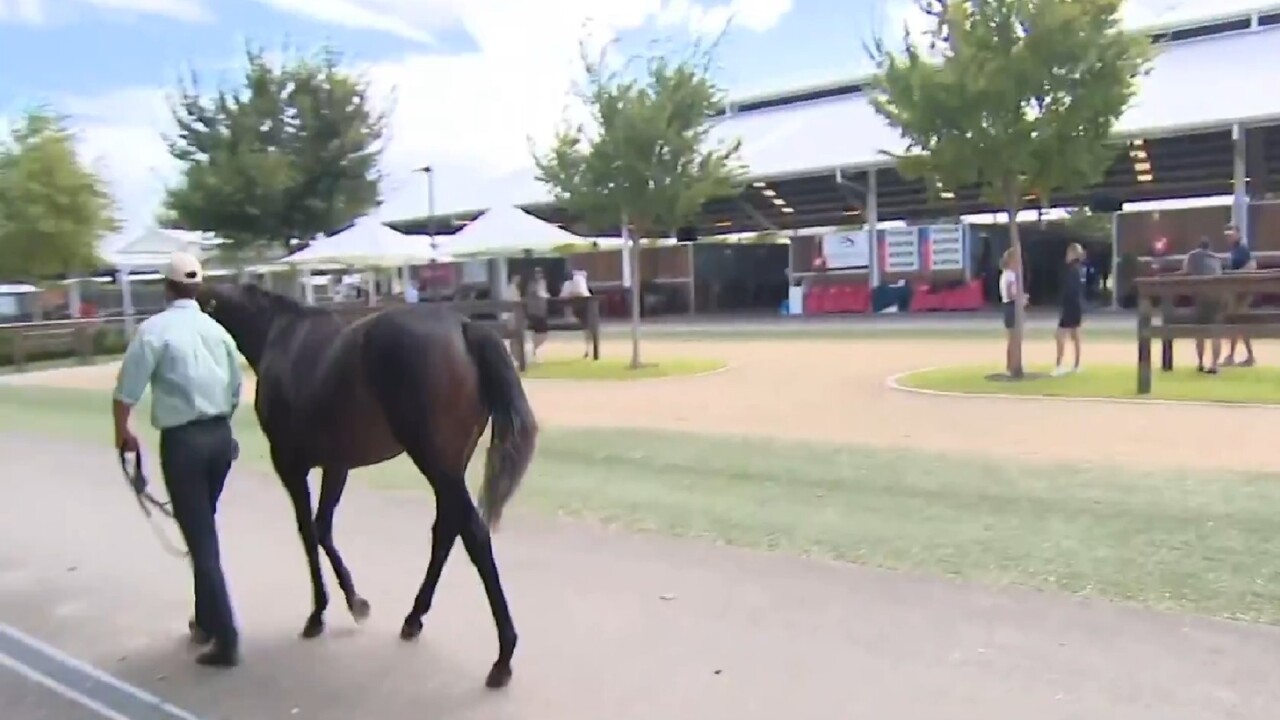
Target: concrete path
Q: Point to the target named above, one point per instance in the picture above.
(612, 625)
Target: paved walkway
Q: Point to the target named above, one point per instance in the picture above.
(739, 635)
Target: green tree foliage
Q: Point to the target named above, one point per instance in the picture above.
(53, 209)
(290, 153)
(644, 155)
(1016, 97)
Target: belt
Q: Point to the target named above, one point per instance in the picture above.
(206, 420)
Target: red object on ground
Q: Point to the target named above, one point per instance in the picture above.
(964, 297)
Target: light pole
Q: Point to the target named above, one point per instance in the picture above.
(431, 201)
(431, 208)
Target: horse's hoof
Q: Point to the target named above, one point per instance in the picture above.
(411, 629)
(360, 609)
(499, 676)
(313, 628)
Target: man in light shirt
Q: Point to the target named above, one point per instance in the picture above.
(193, 368)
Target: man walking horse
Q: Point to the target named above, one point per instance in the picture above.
(412, 379)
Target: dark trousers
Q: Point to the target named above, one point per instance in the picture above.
(196, 458)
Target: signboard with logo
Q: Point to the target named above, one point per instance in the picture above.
(946, 247)
(901, 250)
(847, 250)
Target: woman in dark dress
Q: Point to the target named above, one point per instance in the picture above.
(1072, 314)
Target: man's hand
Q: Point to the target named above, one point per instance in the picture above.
(126, 441)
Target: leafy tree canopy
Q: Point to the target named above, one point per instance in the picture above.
(644, 151)
(290, 153)
(53, 209)
(1017, 97)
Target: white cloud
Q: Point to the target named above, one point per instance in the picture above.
(469, 115)
(35, 12)
(709, 20)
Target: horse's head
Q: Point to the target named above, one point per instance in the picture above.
(247, 312)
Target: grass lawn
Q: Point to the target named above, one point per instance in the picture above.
(1196, 541)
(1257, 385)
(617, 369)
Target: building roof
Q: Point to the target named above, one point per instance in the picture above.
(1205, 78)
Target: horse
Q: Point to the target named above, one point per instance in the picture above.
(414, 379)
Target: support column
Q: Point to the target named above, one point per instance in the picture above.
(126, 301)
(1240, 182)
(873, 220)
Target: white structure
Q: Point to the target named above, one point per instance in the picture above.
(368, 243)
(508, 231)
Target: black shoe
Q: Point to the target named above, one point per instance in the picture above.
(220, 655)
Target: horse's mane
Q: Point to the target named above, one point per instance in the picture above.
(277, 303)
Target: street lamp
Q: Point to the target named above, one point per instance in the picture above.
(431, 201)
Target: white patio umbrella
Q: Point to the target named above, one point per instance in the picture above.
(368, 243)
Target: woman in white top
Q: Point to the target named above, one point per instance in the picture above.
(1010, 267)
(576, 287)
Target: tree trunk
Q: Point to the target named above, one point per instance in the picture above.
(636, 298)
(1013, 355)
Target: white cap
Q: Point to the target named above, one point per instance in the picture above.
(184, 268)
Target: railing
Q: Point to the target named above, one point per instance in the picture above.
(1222, 309)
(85, 339)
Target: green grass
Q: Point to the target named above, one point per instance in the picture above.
(1257, 385)
(614, 369)
(1195, 541)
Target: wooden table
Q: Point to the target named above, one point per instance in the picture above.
(1232, 317)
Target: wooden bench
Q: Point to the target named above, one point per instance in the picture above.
(1162, 291)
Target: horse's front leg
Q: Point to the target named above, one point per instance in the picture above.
(331, 486)
(295, 483)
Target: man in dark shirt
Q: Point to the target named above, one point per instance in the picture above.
(1241, 258)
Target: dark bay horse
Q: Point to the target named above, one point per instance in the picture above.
(411, 379)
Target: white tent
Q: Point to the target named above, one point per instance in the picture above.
(507, 231)
(368, 243)
(151, 249)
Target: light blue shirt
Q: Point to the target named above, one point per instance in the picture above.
(190, 362)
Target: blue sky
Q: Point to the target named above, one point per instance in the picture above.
(473, 79)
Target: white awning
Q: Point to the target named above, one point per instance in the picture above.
(368, 243)
(505, 231)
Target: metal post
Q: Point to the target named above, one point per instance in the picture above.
(126, 302)
(1239, 182)
(1115, 261)
(431, 204)
(873, 219)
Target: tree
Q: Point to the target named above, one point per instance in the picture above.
(53, 209)
(291, 153)
(644, 155)
(1016, 97)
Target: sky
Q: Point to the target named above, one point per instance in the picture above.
(473, 81)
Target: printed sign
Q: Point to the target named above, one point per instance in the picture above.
(902, 250)
(847, 250)
(946, 247)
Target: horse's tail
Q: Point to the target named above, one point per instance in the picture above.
(514, 432)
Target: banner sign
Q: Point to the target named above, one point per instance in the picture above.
(946, 247)
(847, 250)
(902, 250)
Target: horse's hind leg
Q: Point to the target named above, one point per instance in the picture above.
(479, 545)
(443, 534)
(331, 486)
(295, 482)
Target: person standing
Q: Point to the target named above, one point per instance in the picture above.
(1071, 314)
(1241, 258)
(1202, 262)
(193, 368)
(1010, 266)
(535, 304)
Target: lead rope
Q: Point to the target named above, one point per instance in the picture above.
(137, 480)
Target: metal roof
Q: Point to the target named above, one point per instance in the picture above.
(1204, 79)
